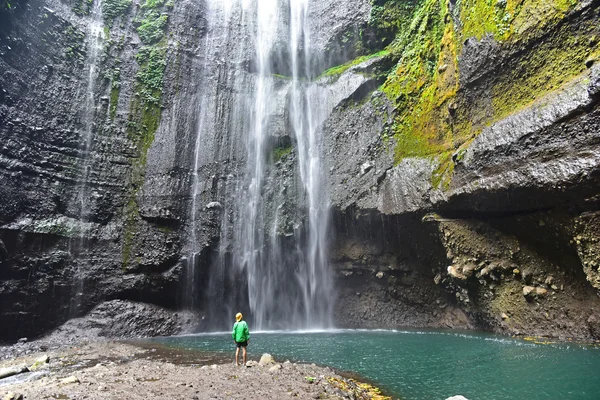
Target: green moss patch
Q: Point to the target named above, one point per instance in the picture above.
(281, 153)
(340, 69)
(546, 67)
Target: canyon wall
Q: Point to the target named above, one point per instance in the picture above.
(461, 154)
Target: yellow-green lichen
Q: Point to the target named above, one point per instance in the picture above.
(545, 68)
(509, 19)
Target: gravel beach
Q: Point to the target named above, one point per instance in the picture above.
(117, 370)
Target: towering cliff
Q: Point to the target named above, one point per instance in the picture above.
(386, 163)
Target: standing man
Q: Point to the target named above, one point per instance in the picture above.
(241, 336)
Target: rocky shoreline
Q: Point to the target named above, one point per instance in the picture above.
(106, 369)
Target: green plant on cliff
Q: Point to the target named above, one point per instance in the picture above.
(281, 152)
(340, 69)
(151, 27)
(112, 9)
(388, 18)
(423, 83)
(82, 7)
(75, 46)
(152, 62)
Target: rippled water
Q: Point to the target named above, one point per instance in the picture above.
(431, 364)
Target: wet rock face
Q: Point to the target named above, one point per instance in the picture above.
(386, 275)
(63, 194)
(336, 28)
(586, 238)
(523, 278)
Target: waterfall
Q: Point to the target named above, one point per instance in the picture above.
(278, 279)
(82, 202)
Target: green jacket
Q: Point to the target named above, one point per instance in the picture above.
(240, 331)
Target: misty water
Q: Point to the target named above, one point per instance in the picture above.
(415, 365)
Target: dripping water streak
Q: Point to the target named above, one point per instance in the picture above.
(83, 202)
(307, 100)
(217, 10)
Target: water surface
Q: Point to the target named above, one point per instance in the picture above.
(415, 365)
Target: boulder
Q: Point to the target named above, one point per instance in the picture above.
(266, 359)
(468, 269)
(251, 363)
(69, 380)
(454, 273)
(459, 397)
(12, 396)
(275, 368)
(40, 363)
(531, 292)
(14, 370)
(528, 290)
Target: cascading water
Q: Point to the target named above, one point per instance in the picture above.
(82, 199)
(280, 279)
(288, 286)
